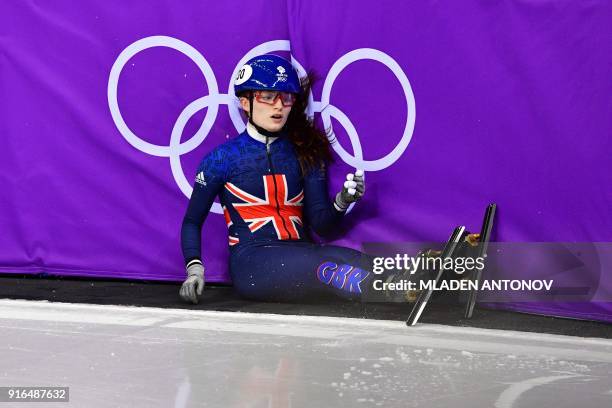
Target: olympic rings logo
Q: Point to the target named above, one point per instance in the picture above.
(176, 148)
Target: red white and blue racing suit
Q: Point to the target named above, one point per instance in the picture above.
(268, 207)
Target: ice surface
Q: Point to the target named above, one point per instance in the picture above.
(113, 356)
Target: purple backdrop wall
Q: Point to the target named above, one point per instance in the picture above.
(515, 95)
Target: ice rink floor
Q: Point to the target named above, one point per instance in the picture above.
(116, 356)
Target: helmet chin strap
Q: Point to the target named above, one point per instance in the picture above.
(261, 130)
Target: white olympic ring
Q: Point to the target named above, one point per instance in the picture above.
(176, 148)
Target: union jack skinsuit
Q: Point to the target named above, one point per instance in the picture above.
(268, 206)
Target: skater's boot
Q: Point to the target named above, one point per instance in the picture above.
(411, 280)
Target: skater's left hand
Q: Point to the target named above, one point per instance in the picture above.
(352, 191)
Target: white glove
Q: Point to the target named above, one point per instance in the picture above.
(352, 191)
(194, 284)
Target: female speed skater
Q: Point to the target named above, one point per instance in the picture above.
(272, 184)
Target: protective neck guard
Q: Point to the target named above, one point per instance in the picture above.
(263, 132)
(260, 137)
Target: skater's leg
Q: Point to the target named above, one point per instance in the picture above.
(288, 271)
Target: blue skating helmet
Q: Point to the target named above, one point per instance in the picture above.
(267, 73)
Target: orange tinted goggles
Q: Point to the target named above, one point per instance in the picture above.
(270, 97)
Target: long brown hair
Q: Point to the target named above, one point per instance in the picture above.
(312, 145)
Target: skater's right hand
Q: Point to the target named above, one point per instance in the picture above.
(194, 284)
